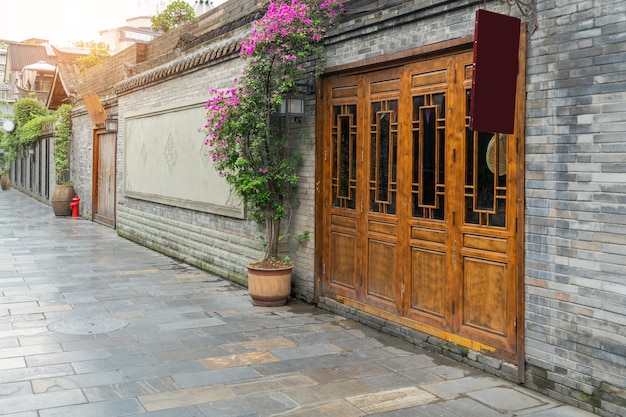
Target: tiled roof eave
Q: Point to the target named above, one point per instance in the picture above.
(205, 56)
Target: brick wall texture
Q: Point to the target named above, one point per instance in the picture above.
(575, 177)
(575, 196)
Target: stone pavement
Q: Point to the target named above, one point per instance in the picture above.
(93, 325)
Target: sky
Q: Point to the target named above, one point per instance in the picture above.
(63, 22)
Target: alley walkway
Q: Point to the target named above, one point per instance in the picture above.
(92, 325)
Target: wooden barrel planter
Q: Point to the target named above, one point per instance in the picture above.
(5, 182)
(62, 196)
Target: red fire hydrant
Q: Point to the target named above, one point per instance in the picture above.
(75, 205)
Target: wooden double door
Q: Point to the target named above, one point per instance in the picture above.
(104, 174)
(420, 213)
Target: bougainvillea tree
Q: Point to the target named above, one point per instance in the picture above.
(245, 137)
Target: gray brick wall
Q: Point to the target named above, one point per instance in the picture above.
(182, 234)
(575, 195)
(81, 158)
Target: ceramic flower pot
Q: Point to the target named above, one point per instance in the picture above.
(269, 287)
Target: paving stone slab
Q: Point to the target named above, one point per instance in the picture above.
(66, 357)
(86, 326)
(242, 359)
(404, 361)
(449, 390)
(15, 389)
(114, 363)
(272, 384)
(76, 381)
(505, 399)
(388, 381)
(261, 345)
(329, 392)
(163, 369)
(261, 405)
(26, 414)
(561, 411)
(300, 352)
(27, 374)
(390, 400)
(220, 376)
(430, 410)
(335, 408)
(361, 369)
(12, 363)
(466, 407)
(117, 408)
(188, 353)
(130, 389)
(185, 397)
(422, 376)
(43, 401)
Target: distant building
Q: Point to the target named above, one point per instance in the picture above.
(63, 89)
(29, 69)
(136, 30)
(203, 6)
(4, 87)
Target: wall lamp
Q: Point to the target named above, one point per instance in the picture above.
(110, 125)
(291, 106)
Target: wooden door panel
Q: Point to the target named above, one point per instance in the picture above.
(487, 303)
(381, 274)
(342, 265)
(104, 210)
(381, 263)
(484, 295)
(107, 158)
(376, 226)
(486, 243)
(342, 156)
(429, 205)
(428, 287)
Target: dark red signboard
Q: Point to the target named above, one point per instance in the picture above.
(496, 45)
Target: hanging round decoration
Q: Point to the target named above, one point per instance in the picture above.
(8, 125)
(491, 154)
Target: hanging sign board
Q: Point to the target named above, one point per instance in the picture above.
(494, 79)
(95, 109)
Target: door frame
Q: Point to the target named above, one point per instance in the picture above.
(94, 185)
(322, 204)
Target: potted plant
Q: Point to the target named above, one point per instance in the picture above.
(248, 140)
(63, 192)
(5, 181)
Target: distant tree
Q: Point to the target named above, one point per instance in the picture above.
(26, 109)
(91, 45)
(100, 51)
(175, 14)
